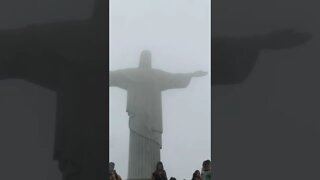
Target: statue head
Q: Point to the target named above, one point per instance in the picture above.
(145, 59)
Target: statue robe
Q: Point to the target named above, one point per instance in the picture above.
(144, 107)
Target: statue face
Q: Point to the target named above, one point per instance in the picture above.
(145, 59)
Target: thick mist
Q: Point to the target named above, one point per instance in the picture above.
(178, 35)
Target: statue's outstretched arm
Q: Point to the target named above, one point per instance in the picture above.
(113, 76)
(20, 59)
(235, 58)
(166, 80)
(199, 74)
(283, 39)
(119, 78)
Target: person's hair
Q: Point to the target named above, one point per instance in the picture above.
(196, 172)
(158, 164)
(111, 166)
(206, 163)
(172, 178)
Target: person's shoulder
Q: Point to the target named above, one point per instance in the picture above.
(119, 177)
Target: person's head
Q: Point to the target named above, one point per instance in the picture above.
(145, 59)
(172, 178)
(111, 166)
(159, 166)
(206, 165)
(196, 174)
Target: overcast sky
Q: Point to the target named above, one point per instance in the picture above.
(178, 34)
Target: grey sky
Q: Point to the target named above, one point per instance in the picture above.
(178, 34)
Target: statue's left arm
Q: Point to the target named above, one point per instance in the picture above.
(177, 80)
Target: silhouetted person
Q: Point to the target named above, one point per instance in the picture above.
(159, 173)
(111, 167)
(113, 175)
(206, 170)
(196, 175)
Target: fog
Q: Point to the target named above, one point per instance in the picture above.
(178, 35)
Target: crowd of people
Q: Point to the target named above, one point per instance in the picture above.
(160, 173)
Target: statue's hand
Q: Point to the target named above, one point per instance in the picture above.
(286, 38)
(199, 74)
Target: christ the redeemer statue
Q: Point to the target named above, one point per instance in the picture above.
(144, 86)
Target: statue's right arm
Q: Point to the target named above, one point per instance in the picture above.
(199, 74)
(119, 78)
